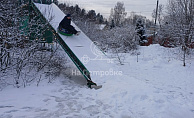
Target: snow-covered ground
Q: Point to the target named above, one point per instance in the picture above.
(157, 86)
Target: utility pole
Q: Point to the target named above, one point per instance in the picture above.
(156, 11)
(156, 19)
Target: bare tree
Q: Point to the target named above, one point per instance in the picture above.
(180, 20)
(118, 14)
(22, 45)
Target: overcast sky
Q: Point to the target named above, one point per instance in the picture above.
(141, 7)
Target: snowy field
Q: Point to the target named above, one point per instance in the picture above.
(157, 86)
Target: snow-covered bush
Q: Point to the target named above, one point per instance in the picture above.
(24, 61)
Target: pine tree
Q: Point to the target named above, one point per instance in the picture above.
(140, 29)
